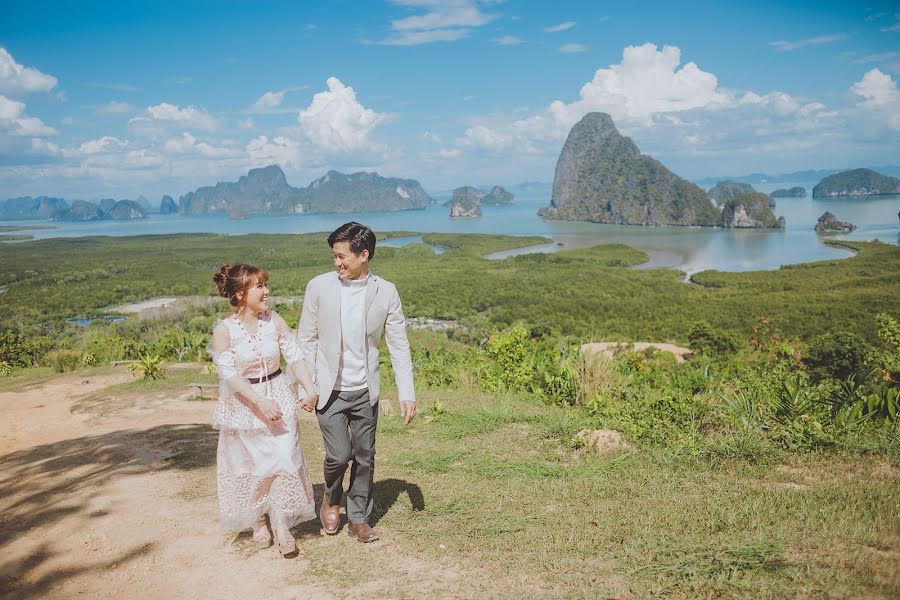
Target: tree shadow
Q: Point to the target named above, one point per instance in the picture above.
(41, 486)
(387, 491)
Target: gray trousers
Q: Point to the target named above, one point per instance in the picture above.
(348, 423)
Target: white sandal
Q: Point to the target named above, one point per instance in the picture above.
(261, 534)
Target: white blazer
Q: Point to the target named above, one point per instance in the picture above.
(319, 335)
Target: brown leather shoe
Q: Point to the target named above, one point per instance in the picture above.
(362, 532)
(330, 516)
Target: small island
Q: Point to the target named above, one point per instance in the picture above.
(829, 223)
(466, 202)
(794, 192)
(498, 197)
(750, 210)
(724, 191)
(857, 182)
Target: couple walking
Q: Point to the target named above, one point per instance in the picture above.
(334, 358)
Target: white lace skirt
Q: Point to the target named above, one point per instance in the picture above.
(263, 471)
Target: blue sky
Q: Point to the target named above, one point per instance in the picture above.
(102, 99)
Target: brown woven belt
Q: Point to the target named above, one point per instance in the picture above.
(265, 378)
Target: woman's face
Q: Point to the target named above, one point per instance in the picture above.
(257, 299)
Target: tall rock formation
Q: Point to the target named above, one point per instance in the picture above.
(602, 177)
(466, 202)
(167, 205)
(259, 191)
(750, 210)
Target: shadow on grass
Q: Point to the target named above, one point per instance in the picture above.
(387, 491)
(41, 486)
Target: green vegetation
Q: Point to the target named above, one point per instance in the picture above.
(584, 294)
(765, 466)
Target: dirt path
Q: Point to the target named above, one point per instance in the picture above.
(121, 503)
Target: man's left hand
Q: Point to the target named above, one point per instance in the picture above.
(407, 411)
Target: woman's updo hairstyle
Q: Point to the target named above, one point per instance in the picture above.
(233, 280)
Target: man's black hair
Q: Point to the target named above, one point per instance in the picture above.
(360, 238)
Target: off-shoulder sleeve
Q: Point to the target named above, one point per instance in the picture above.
(220, 350)
(287, 340)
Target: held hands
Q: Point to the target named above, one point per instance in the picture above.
(309, 403)
(407, 411)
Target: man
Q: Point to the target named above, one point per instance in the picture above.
(344, 316)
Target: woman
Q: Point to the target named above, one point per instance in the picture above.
(259, 466)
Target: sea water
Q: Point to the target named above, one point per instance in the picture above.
(689, 249)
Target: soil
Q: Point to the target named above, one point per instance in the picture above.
(121, 504)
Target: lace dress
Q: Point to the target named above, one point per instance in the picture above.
(259, 468)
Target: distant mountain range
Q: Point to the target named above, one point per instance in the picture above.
(59, 209)
(266, 191)
(261, 191)
(792, 177)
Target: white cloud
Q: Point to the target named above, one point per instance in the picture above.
(672, 107)
(16, 79)
(442, 21)
(14, 121)
(246, 123)
(573, 48)
(336, 122)
(280, 150)
(508, 40)
(114, 108)
(268, 101)
(431, 137)
(162, 116)
(880, 97)
(783, 46)
(45, 148)
(560, 27)
(102, 145)
(188, 144)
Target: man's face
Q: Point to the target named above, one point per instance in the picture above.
(349, 265)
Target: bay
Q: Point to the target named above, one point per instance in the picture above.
(690, 249)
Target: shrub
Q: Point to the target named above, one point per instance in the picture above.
(148, 366)
(436, 369)
(509, 351)
(5, 369)
(836, 356)
(554, 375)
(887, 358)
(703, 339)
(63, 361)
(21, 350)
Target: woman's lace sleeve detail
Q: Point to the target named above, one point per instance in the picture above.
(220, 350)
(287, 340)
